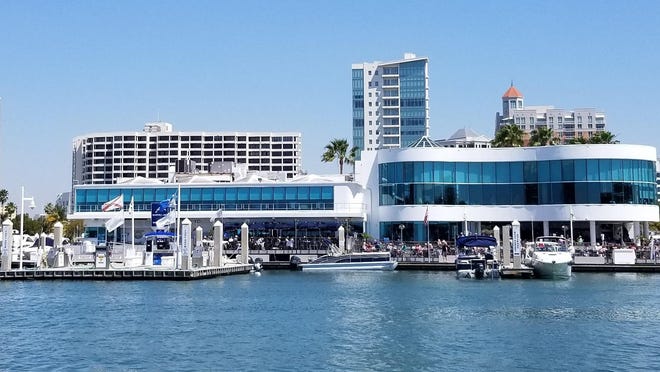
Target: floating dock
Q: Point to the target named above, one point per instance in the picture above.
(523, 272)
(125, 274)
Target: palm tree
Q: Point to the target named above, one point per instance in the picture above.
(509, 135)
(54, 213)
(577, 141)
(603, 137)
(4, 196)
(543, 136)
(338, 149)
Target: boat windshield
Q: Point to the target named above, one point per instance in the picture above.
(551, 244)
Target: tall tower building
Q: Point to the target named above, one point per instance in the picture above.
(390, 102)
(566, 124)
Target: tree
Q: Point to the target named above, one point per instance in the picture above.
(10, 209)
(603, 137)
(4, 196)
(338, 149)
(73, 229)
(577, 141)
(543, 136)
(509, 135)
(54, 213)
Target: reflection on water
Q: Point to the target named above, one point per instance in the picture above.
(397, 321)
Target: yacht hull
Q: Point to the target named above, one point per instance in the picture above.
(552, 268)
(378, 266)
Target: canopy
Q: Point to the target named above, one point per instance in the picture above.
(476, 241)
(160, 233)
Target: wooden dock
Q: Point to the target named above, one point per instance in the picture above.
(523, 272)
(124, 274)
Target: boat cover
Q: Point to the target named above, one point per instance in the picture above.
(476, 241)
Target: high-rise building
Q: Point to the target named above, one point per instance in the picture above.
(106, 158)
(566, 124)
(390, 102)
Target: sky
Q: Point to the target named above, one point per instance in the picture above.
(74, 67)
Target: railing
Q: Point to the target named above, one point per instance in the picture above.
(278, 206)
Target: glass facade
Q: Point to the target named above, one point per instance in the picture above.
(573, 181)
(358, 109)
(257, 198)
(412, 87)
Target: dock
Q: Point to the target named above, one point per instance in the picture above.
(125, 274)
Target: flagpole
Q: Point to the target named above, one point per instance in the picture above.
(132, 210)
(428, 246)
(178, 207)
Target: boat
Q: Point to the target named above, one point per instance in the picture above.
(475, 260)
(550, 258)
(337, 260)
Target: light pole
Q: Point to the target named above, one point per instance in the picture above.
(401, 227)
(20, 247)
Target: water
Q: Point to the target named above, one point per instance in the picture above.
(352, 321)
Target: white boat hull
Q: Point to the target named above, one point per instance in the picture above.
(381, 266)
(552, 267)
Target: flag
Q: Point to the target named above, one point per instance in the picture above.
(166, 220)
(426, 216)
(216, 215)
(113, 223)
(173, 201)
(116, 203)
(131, 206)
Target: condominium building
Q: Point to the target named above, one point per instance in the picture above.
(390, 102)
(106, 158)
(566, 124)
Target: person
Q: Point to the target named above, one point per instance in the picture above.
(445, 248)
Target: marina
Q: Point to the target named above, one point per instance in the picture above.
(418, 320)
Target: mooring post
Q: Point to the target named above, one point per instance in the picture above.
(245, 246)
(7, 239)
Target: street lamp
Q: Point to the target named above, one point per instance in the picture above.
(401, 227)
(20, 247)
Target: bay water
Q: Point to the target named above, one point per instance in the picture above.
(334, 321)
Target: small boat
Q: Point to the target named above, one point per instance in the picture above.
(550, 258)
(475, 260)
(338, 260)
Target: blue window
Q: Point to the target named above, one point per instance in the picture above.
(291, 193)
(255, 193)
(516, 171)
(278, 193)
(195, 195)
(303, 193)
(617, 171)
(428, 172)
(474, 173)
(449, 174)
(461, 172)
(150, 195)
(418, 169)
(185, 194)
(219, 195)
(243, 194)
(207, 194)
(555, 171)
(580, 167)
(437, 171)
(314, 193)
(502, 170)
(530, 174)
(543, 171)
(267, 194)
(230, 194)
(488, 170)
(592, 170)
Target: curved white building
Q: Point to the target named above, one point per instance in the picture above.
(603, 189)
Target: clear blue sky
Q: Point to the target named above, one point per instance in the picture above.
(68, 68)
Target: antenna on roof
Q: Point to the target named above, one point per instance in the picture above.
(511, 82)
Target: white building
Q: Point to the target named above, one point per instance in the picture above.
(390, 102)
(566, 124)
(105, 158)
(601, 190)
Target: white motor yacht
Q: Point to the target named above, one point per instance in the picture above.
(550, 258)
